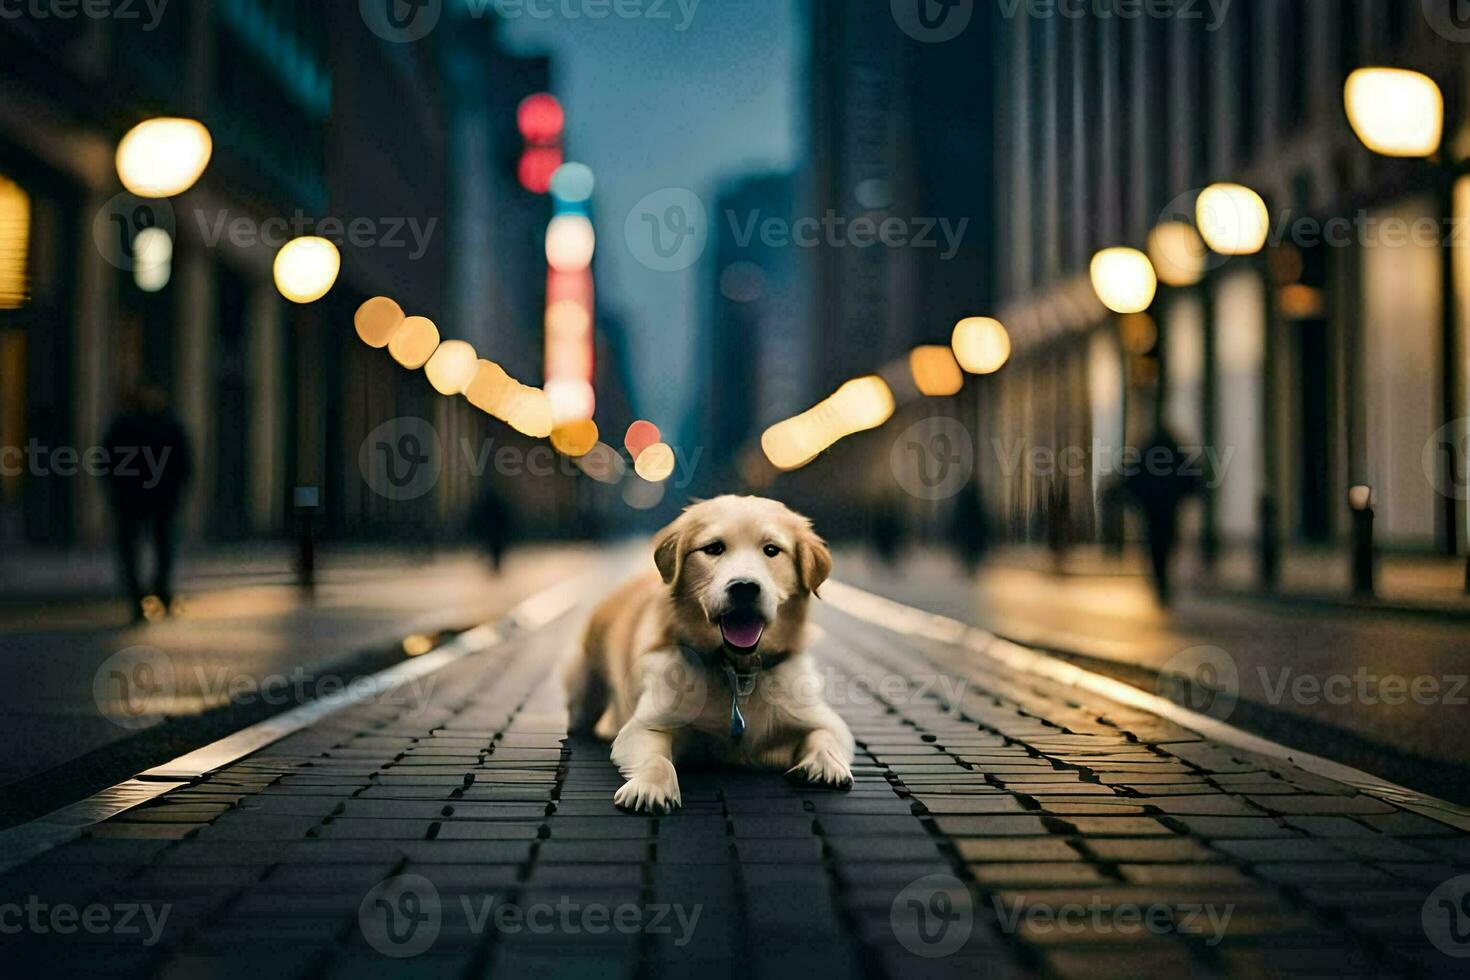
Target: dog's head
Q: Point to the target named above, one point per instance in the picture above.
(739, 571)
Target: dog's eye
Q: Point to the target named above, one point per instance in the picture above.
(771, 551)
(714, 550)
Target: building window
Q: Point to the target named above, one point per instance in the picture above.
(15, 245)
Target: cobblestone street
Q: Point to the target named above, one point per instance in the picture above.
(1000, 825)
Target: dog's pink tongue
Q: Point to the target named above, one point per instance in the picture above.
(741, 631)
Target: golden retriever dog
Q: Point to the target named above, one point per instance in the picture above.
(707, 657)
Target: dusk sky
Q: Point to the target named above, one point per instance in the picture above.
(652, 107)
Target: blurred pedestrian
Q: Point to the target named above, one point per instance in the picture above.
(886, 526)
(971, 531)
(493, 525)
(150, 467)
(1159, 487)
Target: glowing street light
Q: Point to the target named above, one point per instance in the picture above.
(1124, 280)
(306, 269)
(490, 389)
(640, 435)
(153, 256)
(1178, 253)
(377, 320)
(1232, 219)
(452, 367)
(164, 156)
(570, 242)
(573, 183)
(656, 463)
(936, 372)
(981, 344)
(575, 439)
(414, 342)
(1395, 112)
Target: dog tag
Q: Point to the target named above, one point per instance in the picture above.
(741, 686)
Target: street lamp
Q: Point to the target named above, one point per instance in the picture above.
(306, 269)
(981, 344)
(1232, 219)
(164, 156)
(452, 367)
(1400, 113)
(935, 371)
(1124, 280)
(1178, 253)
(1395, 112)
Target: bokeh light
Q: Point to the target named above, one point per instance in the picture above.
(936, 373)
(540, 118)
(1395, 112)
(163, 157)
(1232, 219)
(573, 183)
(530, 412)
(490, 388)
(571, 399)
(306, 268)
(452, 367)
(656, 463)
(640, 436)
(640, 494)
(538, 165)
(153, 259)
(981, 344)
(1178, 253)
(603, 464)
(1124, 280)
(575, 438)
(570, 242)
(414, 342)
(377, 320)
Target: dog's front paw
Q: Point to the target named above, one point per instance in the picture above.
(822, 768)
(652, 790)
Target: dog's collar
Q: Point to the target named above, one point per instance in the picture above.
(742, 673)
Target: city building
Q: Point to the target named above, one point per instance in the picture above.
(1322, 364)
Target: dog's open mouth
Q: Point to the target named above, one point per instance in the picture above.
(742, 630)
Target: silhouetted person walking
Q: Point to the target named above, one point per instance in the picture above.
(970, 532)
(493, 525)
(149, 468)
(1159, 487)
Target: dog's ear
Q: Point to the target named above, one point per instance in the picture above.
(813, 560)
(668, 551)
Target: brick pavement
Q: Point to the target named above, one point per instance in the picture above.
(995, 819)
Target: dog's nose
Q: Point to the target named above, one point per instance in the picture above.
(743, 590)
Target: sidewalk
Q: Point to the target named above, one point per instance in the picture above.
(1408, 583)
(1322, 677)
(72, 672)
(1016, 830)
